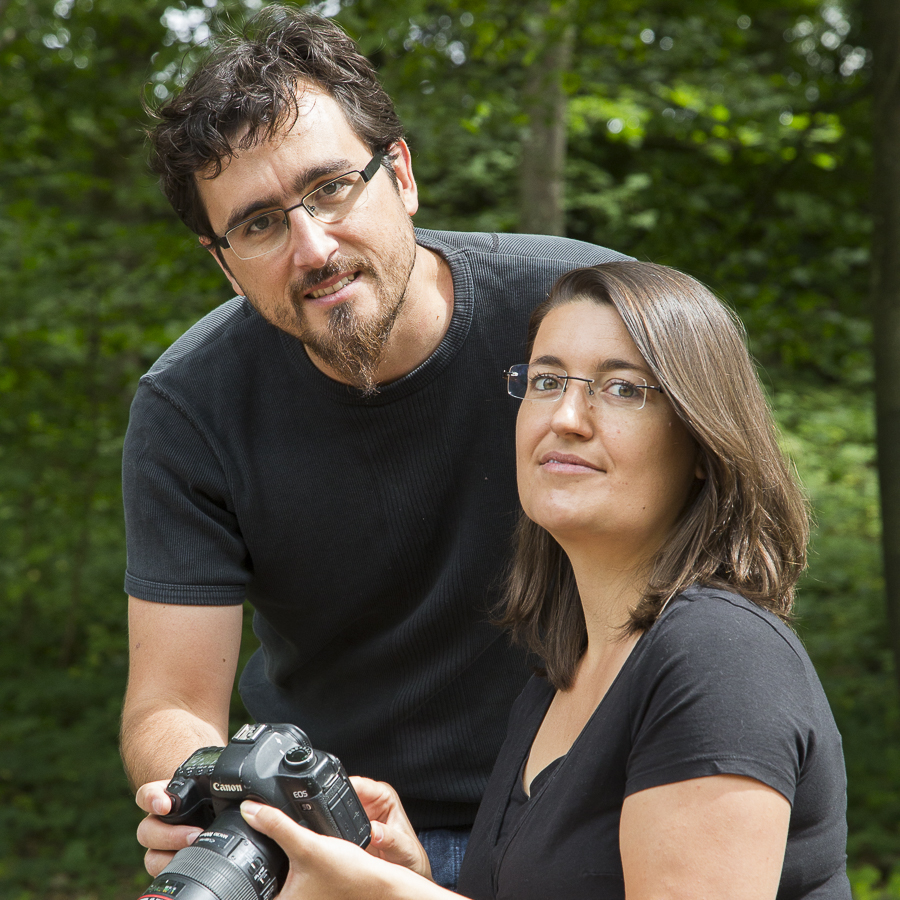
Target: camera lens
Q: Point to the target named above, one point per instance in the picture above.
(228, 861)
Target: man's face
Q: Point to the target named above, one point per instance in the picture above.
(337, 287)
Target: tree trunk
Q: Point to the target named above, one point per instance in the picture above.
(542, 167)
(884, 22)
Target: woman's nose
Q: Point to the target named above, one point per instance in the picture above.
(572, 413)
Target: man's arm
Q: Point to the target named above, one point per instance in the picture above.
(181, 672)
(182, 665)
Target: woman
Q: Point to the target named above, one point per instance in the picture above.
(678, 743)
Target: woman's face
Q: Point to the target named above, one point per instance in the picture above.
(610, 471)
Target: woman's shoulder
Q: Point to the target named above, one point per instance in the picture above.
(708, 612)
(710, 629)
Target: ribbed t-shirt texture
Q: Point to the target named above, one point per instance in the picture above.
(370, 534)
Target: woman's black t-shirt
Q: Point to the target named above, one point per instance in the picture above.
(717, 686)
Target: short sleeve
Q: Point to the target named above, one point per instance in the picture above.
(184, 544)
(725, 692)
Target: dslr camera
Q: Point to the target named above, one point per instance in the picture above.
(272, 764)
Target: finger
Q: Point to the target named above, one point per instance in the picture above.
(294, 840)
(155, 861)
(400, 847)
(152, 798)
(373, 793)
(380, 801)
(154, 834)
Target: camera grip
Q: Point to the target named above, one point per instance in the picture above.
(191, 805)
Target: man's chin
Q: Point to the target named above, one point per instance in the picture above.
(352, 347)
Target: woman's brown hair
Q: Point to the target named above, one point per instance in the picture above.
(746, 526)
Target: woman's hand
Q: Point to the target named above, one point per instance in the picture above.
(329, 868)
(393, 837)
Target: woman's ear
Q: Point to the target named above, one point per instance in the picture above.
(700, 469)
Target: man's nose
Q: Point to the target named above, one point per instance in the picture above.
(311, 241)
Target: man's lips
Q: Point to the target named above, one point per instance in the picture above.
(331, 286)
(566, 462)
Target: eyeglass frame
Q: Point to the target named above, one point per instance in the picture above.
(367, 173)
(566, 378)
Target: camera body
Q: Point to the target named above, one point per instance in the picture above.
(272, 764)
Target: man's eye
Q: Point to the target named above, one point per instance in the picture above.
(333, 189)
(260, 224)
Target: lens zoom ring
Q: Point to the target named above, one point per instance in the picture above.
(206, 867)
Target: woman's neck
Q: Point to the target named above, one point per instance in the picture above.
(610, 585)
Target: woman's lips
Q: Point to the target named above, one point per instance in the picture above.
(567, 462)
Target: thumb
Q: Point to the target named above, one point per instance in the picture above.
(399, 848)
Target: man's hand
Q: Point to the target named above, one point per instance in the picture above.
(161, 839)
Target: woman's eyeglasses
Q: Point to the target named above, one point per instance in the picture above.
(539, 382)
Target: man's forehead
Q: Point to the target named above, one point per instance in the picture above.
(316, 123)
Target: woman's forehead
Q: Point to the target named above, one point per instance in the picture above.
(587, 334)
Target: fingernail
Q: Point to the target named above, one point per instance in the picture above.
(193, 835)
(377, 832)
(159, 807)
(250, 808)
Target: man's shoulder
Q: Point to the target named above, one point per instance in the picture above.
(529, 247)
(201, 339)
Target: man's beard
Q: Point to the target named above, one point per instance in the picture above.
(352, 346)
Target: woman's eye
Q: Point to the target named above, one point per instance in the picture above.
(622, 390)
(545, 383)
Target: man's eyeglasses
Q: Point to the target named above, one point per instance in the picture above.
(329, 203)
(548, 383)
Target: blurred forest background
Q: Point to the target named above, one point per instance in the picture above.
(729, 138)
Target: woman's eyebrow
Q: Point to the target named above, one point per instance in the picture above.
(603, 365)
(610, 365)
(548, 361)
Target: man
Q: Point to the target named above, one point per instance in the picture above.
(334, 444)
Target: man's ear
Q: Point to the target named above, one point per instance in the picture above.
(406, 182)
(207, 244)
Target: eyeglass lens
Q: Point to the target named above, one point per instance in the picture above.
(268, 231)
(549, 383)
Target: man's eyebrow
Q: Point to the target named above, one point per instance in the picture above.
(302, 183)
(248, 210)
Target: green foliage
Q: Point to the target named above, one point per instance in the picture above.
(727, 138)
(867, 884)
(829, 432)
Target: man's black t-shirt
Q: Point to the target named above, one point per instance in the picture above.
(716, 687)
(369, 533)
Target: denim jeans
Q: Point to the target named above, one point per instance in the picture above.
(445, 848)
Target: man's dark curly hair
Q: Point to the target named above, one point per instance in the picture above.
(248, 85)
